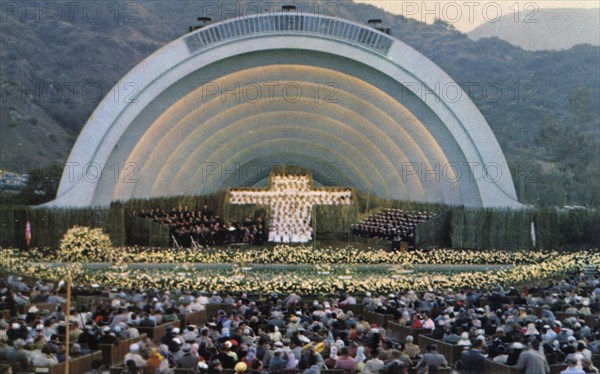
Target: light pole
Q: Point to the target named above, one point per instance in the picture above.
(67, 317)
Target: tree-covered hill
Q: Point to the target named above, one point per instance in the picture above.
(544, 29)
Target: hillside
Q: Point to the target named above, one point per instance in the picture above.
(545, 29)
(54, 73)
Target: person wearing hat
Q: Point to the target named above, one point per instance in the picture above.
(202, 366)
(514, 352)
(38, 328)
(213, 331)
(32, 314)
(215, 366)
(464, 339)
(277, 362)
(240, 367)
(17, 331)
(20, 286)
(501, 354)
(311, 361)
(187, 360)
(108, 336)
(174, 346)
(134, 355)
(155, 359)
(225, 359)
(189, 335)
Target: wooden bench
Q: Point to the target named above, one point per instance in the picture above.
(183, 371)
(92, 300)
(399, 333)
(357, 309)
(213, 309)
(115, 353)
(380, 319)
(41, 306)
(440, 370)
(27, 279)
(561, 316)
(452, 352)
(496, 368)
(122, 369)
(12, 365)
(157, 332)
(592, 321)
(537, 311)
(77, 365)
(193, 318)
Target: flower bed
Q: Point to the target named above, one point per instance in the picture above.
(301, 254)
(235, 279)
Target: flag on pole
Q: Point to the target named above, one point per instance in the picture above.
(28, 233)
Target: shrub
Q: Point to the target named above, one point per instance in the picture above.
(83, 244)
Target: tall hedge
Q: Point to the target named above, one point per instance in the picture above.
(435, 232)
(141, 231)
(512, 229)
(215, 201)
(368, 205)
(12, 226)
(458, 227)
(49, 225)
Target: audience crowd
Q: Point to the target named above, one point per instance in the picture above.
(294, 332)
(392, 225)
(202, 227)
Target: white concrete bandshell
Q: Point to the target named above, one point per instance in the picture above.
(437, 130)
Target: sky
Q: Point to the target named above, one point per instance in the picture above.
(466, 15)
